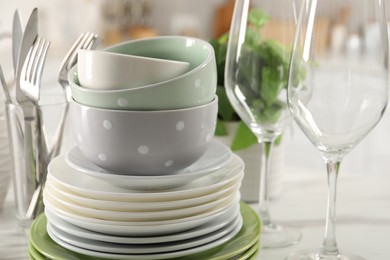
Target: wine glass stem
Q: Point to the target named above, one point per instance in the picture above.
(329, 246)
(263, 193)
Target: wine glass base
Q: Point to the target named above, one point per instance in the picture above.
(313, 255)
(273, 236)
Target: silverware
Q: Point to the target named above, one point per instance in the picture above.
(30, 139)
(29, 35)
(30, 80)
(17, 36)
(84, 41)
(5, 87)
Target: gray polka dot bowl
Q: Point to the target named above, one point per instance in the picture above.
(194, 88)
(144, 142)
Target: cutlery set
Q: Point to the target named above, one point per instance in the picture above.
(24, 111)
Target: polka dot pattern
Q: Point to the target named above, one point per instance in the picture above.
(143, 149)
(197, 83)
(107, 124)
(122, 102)
(180, 126)
(102, 157)
(168, 163)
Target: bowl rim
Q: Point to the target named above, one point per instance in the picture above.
(211, 55)
(122, 56)
(213, 102)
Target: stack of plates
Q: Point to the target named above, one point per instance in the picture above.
(243, 245)
(99, 214)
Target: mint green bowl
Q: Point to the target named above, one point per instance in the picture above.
(193, 88)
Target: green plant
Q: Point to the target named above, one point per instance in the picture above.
(267, 74)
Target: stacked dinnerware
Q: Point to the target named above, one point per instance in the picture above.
(145, 180)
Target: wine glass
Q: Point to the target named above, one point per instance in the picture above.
(337, 95)
(256, 76)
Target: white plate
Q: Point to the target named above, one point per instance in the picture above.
(173, 254)
(82, 184)
(139, 228)
(53, 204)
(137, 216)
(216, 157)
(146, 248)
(204, 229)
(140, 206)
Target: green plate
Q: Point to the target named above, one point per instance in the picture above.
(251, 253)
(239, 244)
(33, 253)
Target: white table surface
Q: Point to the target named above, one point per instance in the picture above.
(363, 222)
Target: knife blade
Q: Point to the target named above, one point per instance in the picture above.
(17, 35)
(29, 36)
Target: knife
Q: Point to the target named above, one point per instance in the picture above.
(17, 35)
(32, 142)
(29, 35)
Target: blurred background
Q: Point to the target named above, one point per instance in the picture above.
(61, 21)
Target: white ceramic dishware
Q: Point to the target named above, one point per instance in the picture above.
(144, 142)
(139, 228)
(166, 255)
(137, 215)
(216, 157)
(120, 248)
(87, 186)
(125, 206)
(137, 220)
(98, 69)
(204, 229)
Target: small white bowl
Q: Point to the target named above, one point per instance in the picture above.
(111, 71)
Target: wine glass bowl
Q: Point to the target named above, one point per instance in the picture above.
(256, 76)
(337, 97)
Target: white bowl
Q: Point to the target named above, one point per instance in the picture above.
(111, 71)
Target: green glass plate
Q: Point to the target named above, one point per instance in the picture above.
(242, 242)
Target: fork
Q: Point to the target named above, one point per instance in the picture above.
(87, 41)
(34, 145)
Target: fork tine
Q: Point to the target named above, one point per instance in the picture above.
(41, 60)
(35, 56)
(88, 40)
(94, 42)
(73, 59)
(28, 64)
(33, 67)
(75, 46)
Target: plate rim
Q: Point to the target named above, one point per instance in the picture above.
(227, 177)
